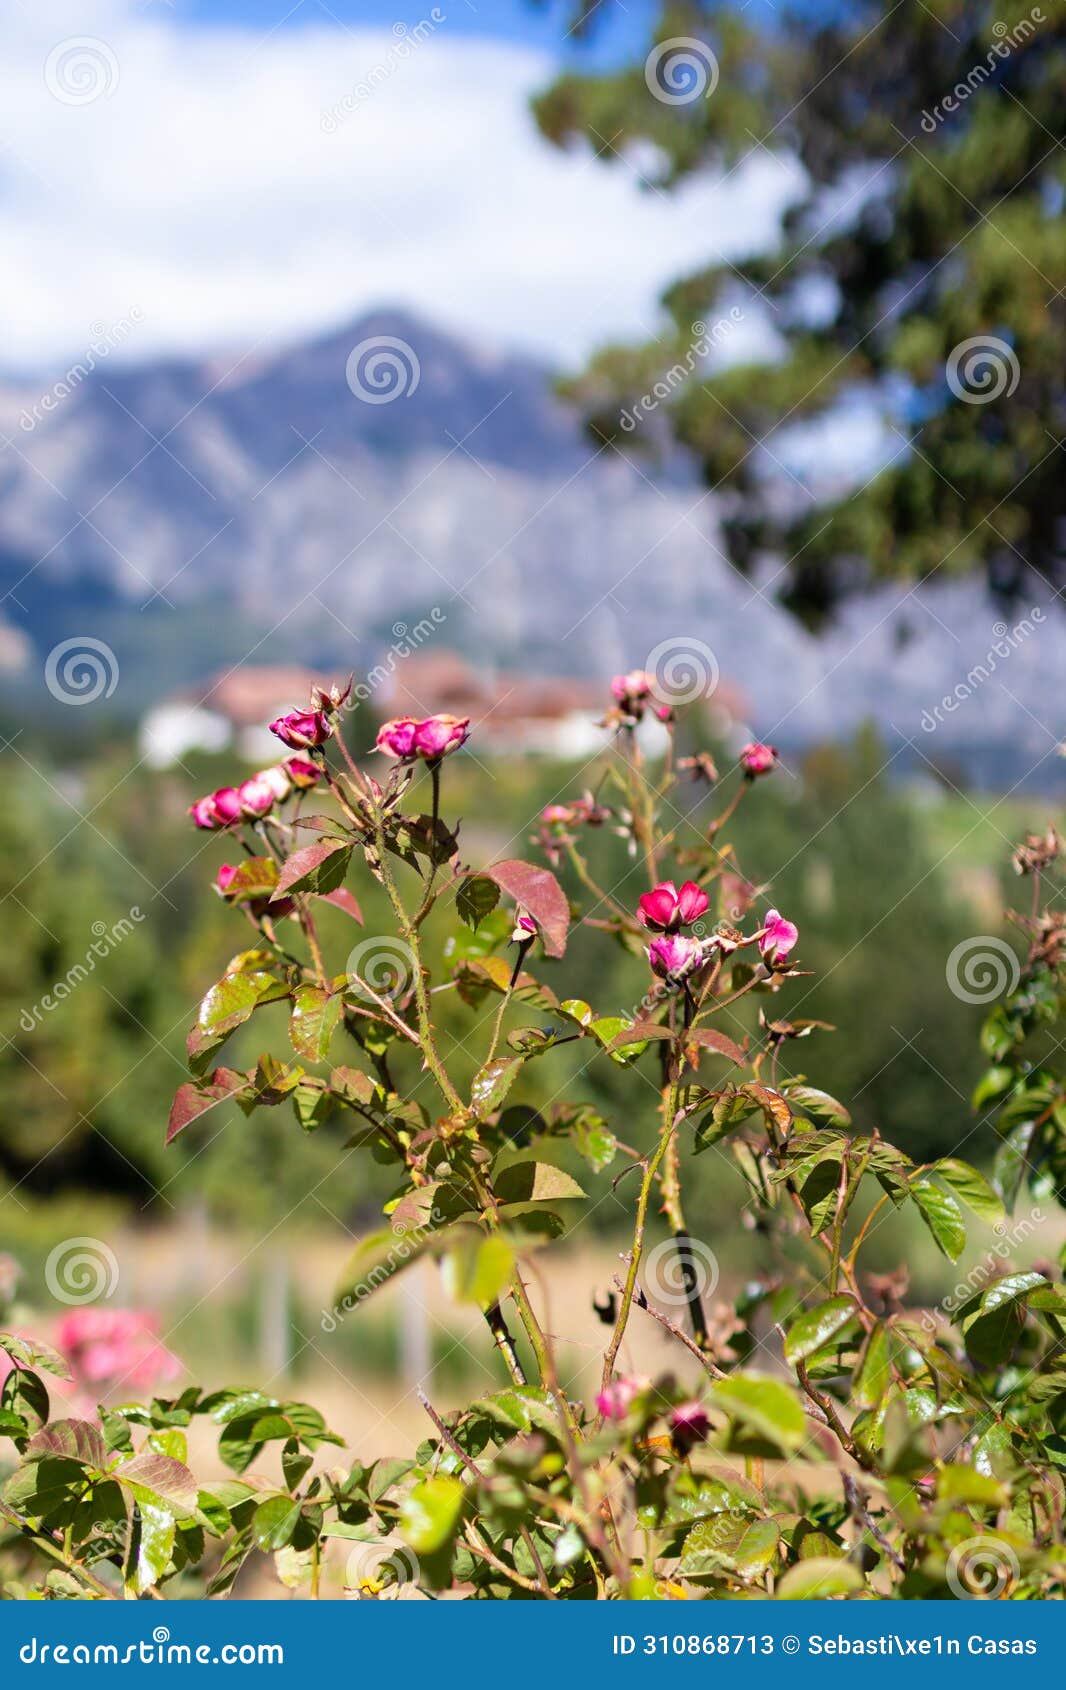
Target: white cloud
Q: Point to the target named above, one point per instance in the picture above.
(204, 191)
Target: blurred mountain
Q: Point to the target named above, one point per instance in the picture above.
(305, 504)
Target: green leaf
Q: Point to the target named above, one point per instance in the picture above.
(274, 1522)
(763, 1406)
(816, 1328)
(156, 1531)
(317, 868)
(808, 1100)
(479, 1270)
(818, 1577)
(492, 1083)
(873, 1372)
(24, 1394)
(30, 1352)
(315, 1015)
(164, 1478)
(529, 1181)
(972, 1188)
(476, 898)
(78, 1440)
(729, 1541)
(942, 1216)
(430, 1513)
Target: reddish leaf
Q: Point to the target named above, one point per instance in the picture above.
(540, 895)
(255, 878)
(196, 1097)
(167, 1480)
(713, 1040)
(342, 899)
(311, 869)
(76, 1440)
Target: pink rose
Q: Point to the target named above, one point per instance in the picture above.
(301, 772)
(277, 778)
(256, 796)
(204, 814)
(397, 738)
(757, 759)
(689, 1425)
(224, 879)
(777, 938)
(673, 955)
(301, 730)
(438, 735)
(665, 909)
(227, 805)
(632, 691)
(614, 1400)
(556, 815)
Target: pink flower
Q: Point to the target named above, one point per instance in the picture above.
(301, 772)
(301, 730)
(227, 805)
(673, 955)
(689, 1425)
(277, 778)
(614, 1400)
(438, 735)
(115, 1347)
(757, 759)
(632, 691)
(778, 937)
(524, 930)
(224, 879)
(256, 796)
(665, 909)
(431, 738)
(556, 815)
(204, 814)
(397, 738)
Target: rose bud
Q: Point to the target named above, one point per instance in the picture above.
(331, 699)
(302, 773)
(757, 759)
(700, 767)
(632, 691)
(204, 814)
(302, 730)
(256, 796)
(225, 877)
(614, 1400)
(777, 938)
(689, 1425)
(556, 815)
(524, 930)
(438, 735)
(227, 805)
(397, 738)
(665, 909)
(673, 955)
(277, 778)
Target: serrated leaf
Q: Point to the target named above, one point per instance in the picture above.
(817, 1327)
(535, 1182)
(196, 1097)
(942, 1216)
(492, 1083)
(314, 1020)
(320, 868)
(31, 1352)
(274, 1522)
(972, 1188)
(476, 898)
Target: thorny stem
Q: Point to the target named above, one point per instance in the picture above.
(651, 1168)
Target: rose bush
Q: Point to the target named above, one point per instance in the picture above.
(818, 1439)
